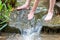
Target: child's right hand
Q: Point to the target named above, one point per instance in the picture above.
(30, 15)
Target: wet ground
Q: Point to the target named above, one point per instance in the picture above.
(6, 36)
(43, 4)
(11, 36)
(50, 37)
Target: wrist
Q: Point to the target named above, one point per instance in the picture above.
(50, 10)
(32, 11)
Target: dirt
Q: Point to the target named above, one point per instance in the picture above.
(11, 36)
(50, 37)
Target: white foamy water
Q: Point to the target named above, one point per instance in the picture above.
(33, 33)
(30, 29)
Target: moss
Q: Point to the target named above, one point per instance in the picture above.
(55, 20)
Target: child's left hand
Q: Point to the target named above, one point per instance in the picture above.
(30, 15)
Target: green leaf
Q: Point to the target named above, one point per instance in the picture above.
(1, 5)
(9, 7)
(0, 2)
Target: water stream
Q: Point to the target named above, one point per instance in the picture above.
(30, 29)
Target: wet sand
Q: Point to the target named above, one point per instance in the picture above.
(50, 37)
(11, 36)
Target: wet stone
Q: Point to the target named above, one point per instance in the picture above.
(58, 4)
(54, 23)
(29, 28)
(19, 19)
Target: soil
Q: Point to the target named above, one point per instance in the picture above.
(13, 36)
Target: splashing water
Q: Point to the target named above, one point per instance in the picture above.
(32, 33)
(30, 29)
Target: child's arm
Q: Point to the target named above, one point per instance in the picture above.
(31, 14)
(35, 5)
(50, 10)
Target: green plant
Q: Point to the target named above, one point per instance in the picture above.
(5, 10)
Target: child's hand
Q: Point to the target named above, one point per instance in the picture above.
(30, 15)
(49, 16)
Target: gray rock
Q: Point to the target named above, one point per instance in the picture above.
(58, 4)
